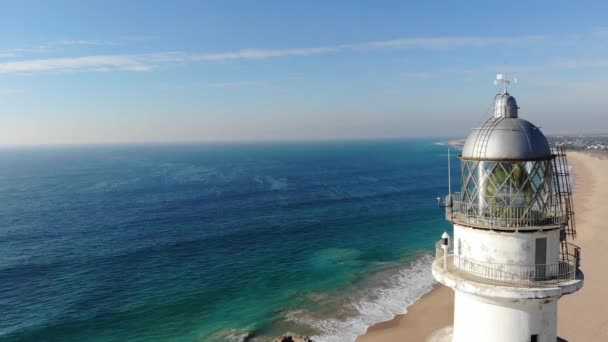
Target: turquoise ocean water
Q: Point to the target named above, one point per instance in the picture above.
(215, 242)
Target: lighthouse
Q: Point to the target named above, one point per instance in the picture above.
(510, 257)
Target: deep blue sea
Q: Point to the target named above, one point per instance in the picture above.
(214, 242)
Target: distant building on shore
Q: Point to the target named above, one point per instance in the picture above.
(510, 259)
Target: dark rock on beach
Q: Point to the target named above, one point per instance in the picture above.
(291, 337)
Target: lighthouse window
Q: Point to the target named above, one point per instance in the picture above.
(506, 190)
(534, 338)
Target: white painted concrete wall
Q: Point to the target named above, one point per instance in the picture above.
(503, 247)
(481, 319)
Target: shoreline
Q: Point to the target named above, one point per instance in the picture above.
(432, 312)
(377, 299)
(582, 316)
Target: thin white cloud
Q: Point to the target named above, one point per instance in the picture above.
(145, 62)
(236, 84)
(422, 43)
(447, 42)
(87, 63)
(76, 42)
(263, 53)
(55, 46)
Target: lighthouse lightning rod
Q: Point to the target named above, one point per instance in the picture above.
(449, 176)
(505, 81)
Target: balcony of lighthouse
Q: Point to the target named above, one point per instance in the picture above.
(563, 273)
(507, 196)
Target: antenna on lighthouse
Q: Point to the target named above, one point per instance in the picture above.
(504, 80)
(449, 176)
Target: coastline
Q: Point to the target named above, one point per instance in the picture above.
(582, 316)
(430, 313)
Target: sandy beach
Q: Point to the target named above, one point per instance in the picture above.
(582, 316)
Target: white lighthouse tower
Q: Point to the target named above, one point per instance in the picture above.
(509, 260)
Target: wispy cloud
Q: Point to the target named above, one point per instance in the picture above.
(146, 62)
(87, 63)
(75, 42)
(446, 42)
(263, 53)
(422, 43)
(236, 84)
(53, 46)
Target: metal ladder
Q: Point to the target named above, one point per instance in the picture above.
(482, 140)
(563, 194)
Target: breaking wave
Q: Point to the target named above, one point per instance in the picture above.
(380, 298)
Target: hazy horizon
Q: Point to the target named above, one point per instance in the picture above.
(109, 72)
(437, 139)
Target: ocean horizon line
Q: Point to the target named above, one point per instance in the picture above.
(225, 142)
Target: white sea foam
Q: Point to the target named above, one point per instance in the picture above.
(184, 174)
(110, 185)
(389, 295)
(277, 183)
(368, 179)
(274, 184)
(234, 335)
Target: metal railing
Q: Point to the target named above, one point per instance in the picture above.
(511, 274)
(496, 216)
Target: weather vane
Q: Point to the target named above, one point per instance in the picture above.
(505, 80)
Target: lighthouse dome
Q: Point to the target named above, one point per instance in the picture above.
(505, 105)
(506, 137)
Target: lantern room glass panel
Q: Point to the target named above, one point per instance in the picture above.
(520, 189)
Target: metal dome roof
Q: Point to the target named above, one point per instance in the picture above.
(505, 106)
(506, 137)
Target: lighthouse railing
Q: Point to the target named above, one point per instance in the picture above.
(511, 274)
(500, 217)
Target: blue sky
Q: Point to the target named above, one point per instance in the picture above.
(136, 71)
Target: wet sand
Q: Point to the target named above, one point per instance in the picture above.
(430, 313)
(582, 316)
